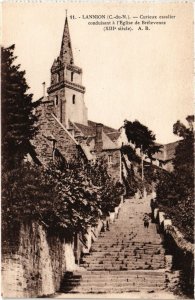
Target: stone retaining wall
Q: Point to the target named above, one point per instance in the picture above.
(37, 265)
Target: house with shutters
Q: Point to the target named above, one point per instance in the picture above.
(65, 133)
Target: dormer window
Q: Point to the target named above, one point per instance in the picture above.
(73, 99)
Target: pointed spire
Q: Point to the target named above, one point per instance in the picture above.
(66, 54)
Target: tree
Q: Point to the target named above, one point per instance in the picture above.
(18, 120)
(142, 137)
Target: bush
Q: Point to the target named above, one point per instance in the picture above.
(66, 201)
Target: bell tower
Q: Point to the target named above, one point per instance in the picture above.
(66, 89)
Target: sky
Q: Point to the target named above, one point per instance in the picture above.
(145, 75)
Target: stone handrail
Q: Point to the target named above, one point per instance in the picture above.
(179, 239)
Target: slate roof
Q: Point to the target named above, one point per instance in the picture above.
(90, 130)
(109, 135)
(111, 132)
(86, 130)
(108, 144)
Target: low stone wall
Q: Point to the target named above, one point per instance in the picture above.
(37, 265)
(181, 250)
(167, 228)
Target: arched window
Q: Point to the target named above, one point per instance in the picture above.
(72, 76)
(73, 99)
(56, 100)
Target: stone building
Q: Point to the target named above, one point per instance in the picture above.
(167, 155)
(65, 133)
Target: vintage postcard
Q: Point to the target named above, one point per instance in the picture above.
(97, 150)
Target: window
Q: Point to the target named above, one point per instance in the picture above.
(72, 76)
(110, 158)
(56, 100)
(61, 110)
(57, 77)
(73, 99)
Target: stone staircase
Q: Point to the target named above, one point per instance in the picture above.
(127, 258)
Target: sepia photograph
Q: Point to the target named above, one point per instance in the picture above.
(97, 150)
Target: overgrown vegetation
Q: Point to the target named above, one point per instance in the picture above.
(175, 190)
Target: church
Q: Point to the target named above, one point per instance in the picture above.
(65, 133)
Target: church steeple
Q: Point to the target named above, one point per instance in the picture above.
(66, 90)
(66, 55)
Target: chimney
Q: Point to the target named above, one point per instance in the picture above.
(98, 138)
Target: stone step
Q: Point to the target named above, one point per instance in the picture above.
(128, 244)
(110, 289)
(114, 279)
(127, 258)
(119, 273)
(124, 268)
(113, 284)
(122, 258)
(122, 262)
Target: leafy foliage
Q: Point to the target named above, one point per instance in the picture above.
(131, 153)
(18, 120)
(175, 190)
(66, 201)
(142, 137)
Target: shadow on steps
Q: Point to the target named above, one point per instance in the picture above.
(69, 282)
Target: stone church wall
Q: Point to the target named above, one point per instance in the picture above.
(50, 127)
